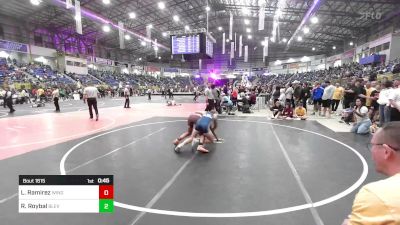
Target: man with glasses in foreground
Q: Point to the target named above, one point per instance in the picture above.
(379, 202)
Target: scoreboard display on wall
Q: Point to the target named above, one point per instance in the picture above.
(193, 46)
(185, 44)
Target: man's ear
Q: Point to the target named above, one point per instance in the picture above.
(388, 151)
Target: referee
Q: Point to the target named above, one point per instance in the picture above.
(90, 94)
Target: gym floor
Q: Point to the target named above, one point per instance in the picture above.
(265, 172)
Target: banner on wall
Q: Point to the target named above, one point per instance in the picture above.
(232, 50)
(78, 17)
(223, 43)
(246, 53)
(240, 45)
(99, 60)
(261, 17)
(121, 35)
(348, 54)
(265, 49)
(230, 25)
(13, 46)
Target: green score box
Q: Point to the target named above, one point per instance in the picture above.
(106, 205)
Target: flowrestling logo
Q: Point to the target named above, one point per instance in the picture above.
(370, 15)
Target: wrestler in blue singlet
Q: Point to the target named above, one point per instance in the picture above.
(203, 123)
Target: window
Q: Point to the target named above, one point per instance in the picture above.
(38, 40)
(70, 63)
(77, 64)
(386, 46)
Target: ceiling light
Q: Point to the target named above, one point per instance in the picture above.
(278, 62)
(161, 5)
(272, 39)
(106, 2)
(150, 26)
(227, 40)
(290, 60)
(159, 57)
(248, 30)
(246, 21)
(249, 36)
(143, 43)
(314, 19)
(156, 48)
(351, 43)
(36, 2)
(245, 11)
(334, 47)
(187, 27)
(176, 18)
(164, 34)
(219, 28)
(127, 37)
(140, 59)
(313, 49)
(132, 15)
(284, 40)
(306, 30)
(106, 28)
(299, 38)
(208, 8)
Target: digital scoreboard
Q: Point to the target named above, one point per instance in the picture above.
(209, 47)
(185, 44)
(66, 194)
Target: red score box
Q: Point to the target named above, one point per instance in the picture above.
(106, 192)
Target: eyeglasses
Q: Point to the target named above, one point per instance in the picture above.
(371, 145)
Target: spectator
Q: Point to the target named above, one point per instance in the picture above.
(277, 110)
(149, 94)
(8, 99)
(360, 92)
(362, 122)
(368, 90)
(126, 95)
(383, 101)
(337, 97)
(377, 203)
(318, 91)
(305, 94)
(56, 95)
(300, 112)
(282, 97)
(349, 96)
(210, 101)
(234, 96)
(394, 100)
(288, 111)
(276, 94)
(374, 110)
(296, 93)
(289, 94)
(327, 98)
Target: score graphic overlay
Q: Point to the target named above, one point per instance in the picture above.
(66, 194)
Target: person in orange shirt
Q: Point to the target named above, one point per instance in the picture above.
(300, 112)
(378, 203)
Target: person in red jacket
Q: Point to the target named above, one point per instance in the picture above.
(287, 112)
